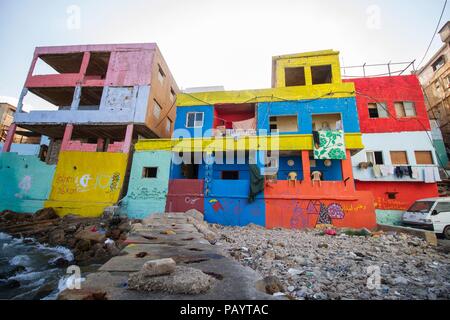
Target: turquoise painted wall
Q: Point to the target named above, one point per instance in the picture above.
(390, 217)
(441, 153)
(147, 196)
(25, 182)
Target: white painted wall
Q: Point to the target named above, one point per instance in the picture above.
(113, 110)
(24, 149)
(397, 141)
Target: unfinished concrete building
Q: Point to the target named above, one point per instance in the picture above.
(103, 96)
(435, 79)
(102, 99)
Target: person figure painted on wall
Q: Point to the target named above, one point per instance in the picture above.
(316, 176)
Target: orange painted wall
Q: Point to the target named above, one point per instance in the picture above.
(408, 193)
(298, 206)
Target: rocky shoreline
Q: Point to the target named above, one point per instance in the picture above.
(92, 241)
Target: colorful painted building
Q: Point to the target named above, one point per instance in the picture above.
(104, 97)
(398, 164)
(256, 156)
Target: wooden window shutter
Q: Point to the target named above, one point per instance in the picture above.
(399, 157)
(423, 157)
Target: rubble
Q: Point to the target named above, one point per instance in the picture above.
(184, 280)
(158, 267)
(316, 265)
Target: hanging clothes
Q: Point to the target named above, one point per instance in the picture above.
(384, 170)
(415, 173)
(376, 171)
(256, 182)
(437, 175)
(398, 172)
(410, 173)
(245, 124)
(316, 139)
(428, 175)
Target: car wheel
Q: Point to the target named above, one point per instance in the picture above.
(447, 232)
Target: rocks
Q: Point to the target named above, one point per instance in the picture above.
(270, 285)
(45, 214)
(56, 237)
(194, 213)
(203, 228)
(158, 267)
(184, 280)
(89, 235)
(83, 245)
(400, 280)
(168, 232)
(339, 267)
(83, 294)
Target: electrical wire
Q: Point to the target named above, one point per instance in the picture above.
(434, 34)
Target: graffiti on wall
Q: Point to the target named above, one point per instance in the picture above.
(216, 205)
(146, 193)
(66, 184)
(24, 186)
(325, 213)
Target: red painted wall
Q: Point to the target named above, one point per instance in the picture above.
(185, 194)
(408, 193)
(390, 90)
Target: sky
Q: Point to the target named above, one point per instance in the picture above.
(228, 42)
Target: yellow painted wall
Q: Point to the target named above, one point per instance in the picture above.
(307, 60)
(322, 91)
(87, 182)
(285, 142)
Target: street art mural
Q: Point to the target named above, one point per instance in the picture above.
(85, 183)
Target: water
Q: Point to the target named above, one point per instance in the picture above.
(35, 270)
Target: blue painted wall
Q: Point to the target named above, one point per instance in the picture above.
(227, 204)
(25, 182)
(284, 168)
(331, 173)
(208, 117)
(305, 109)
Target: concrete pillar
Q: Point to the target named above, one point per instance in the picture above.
(100, 144)
(306, 165)
(76, 98)
(85, 63)
(347, 171)
(67, 136)
(9, 138)
(128, 139)
(20, 102)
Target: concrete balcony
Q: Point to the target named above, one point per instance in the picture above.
(368, 174)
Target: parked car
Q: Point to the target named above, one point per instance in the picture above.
(430, 214)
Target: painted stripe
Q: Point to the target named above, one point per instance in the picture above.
(285, 142)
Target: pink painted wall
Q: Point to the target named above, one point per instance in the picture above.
(130, 65)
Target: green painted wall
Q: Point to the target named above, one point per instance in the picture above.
(390, 217)
(147, 196)
(25, 182)
(441, 153)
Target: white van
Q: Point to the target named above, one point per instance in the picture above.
(430, 214)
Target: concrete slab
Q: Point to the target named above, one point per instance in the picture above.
(187, 247)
